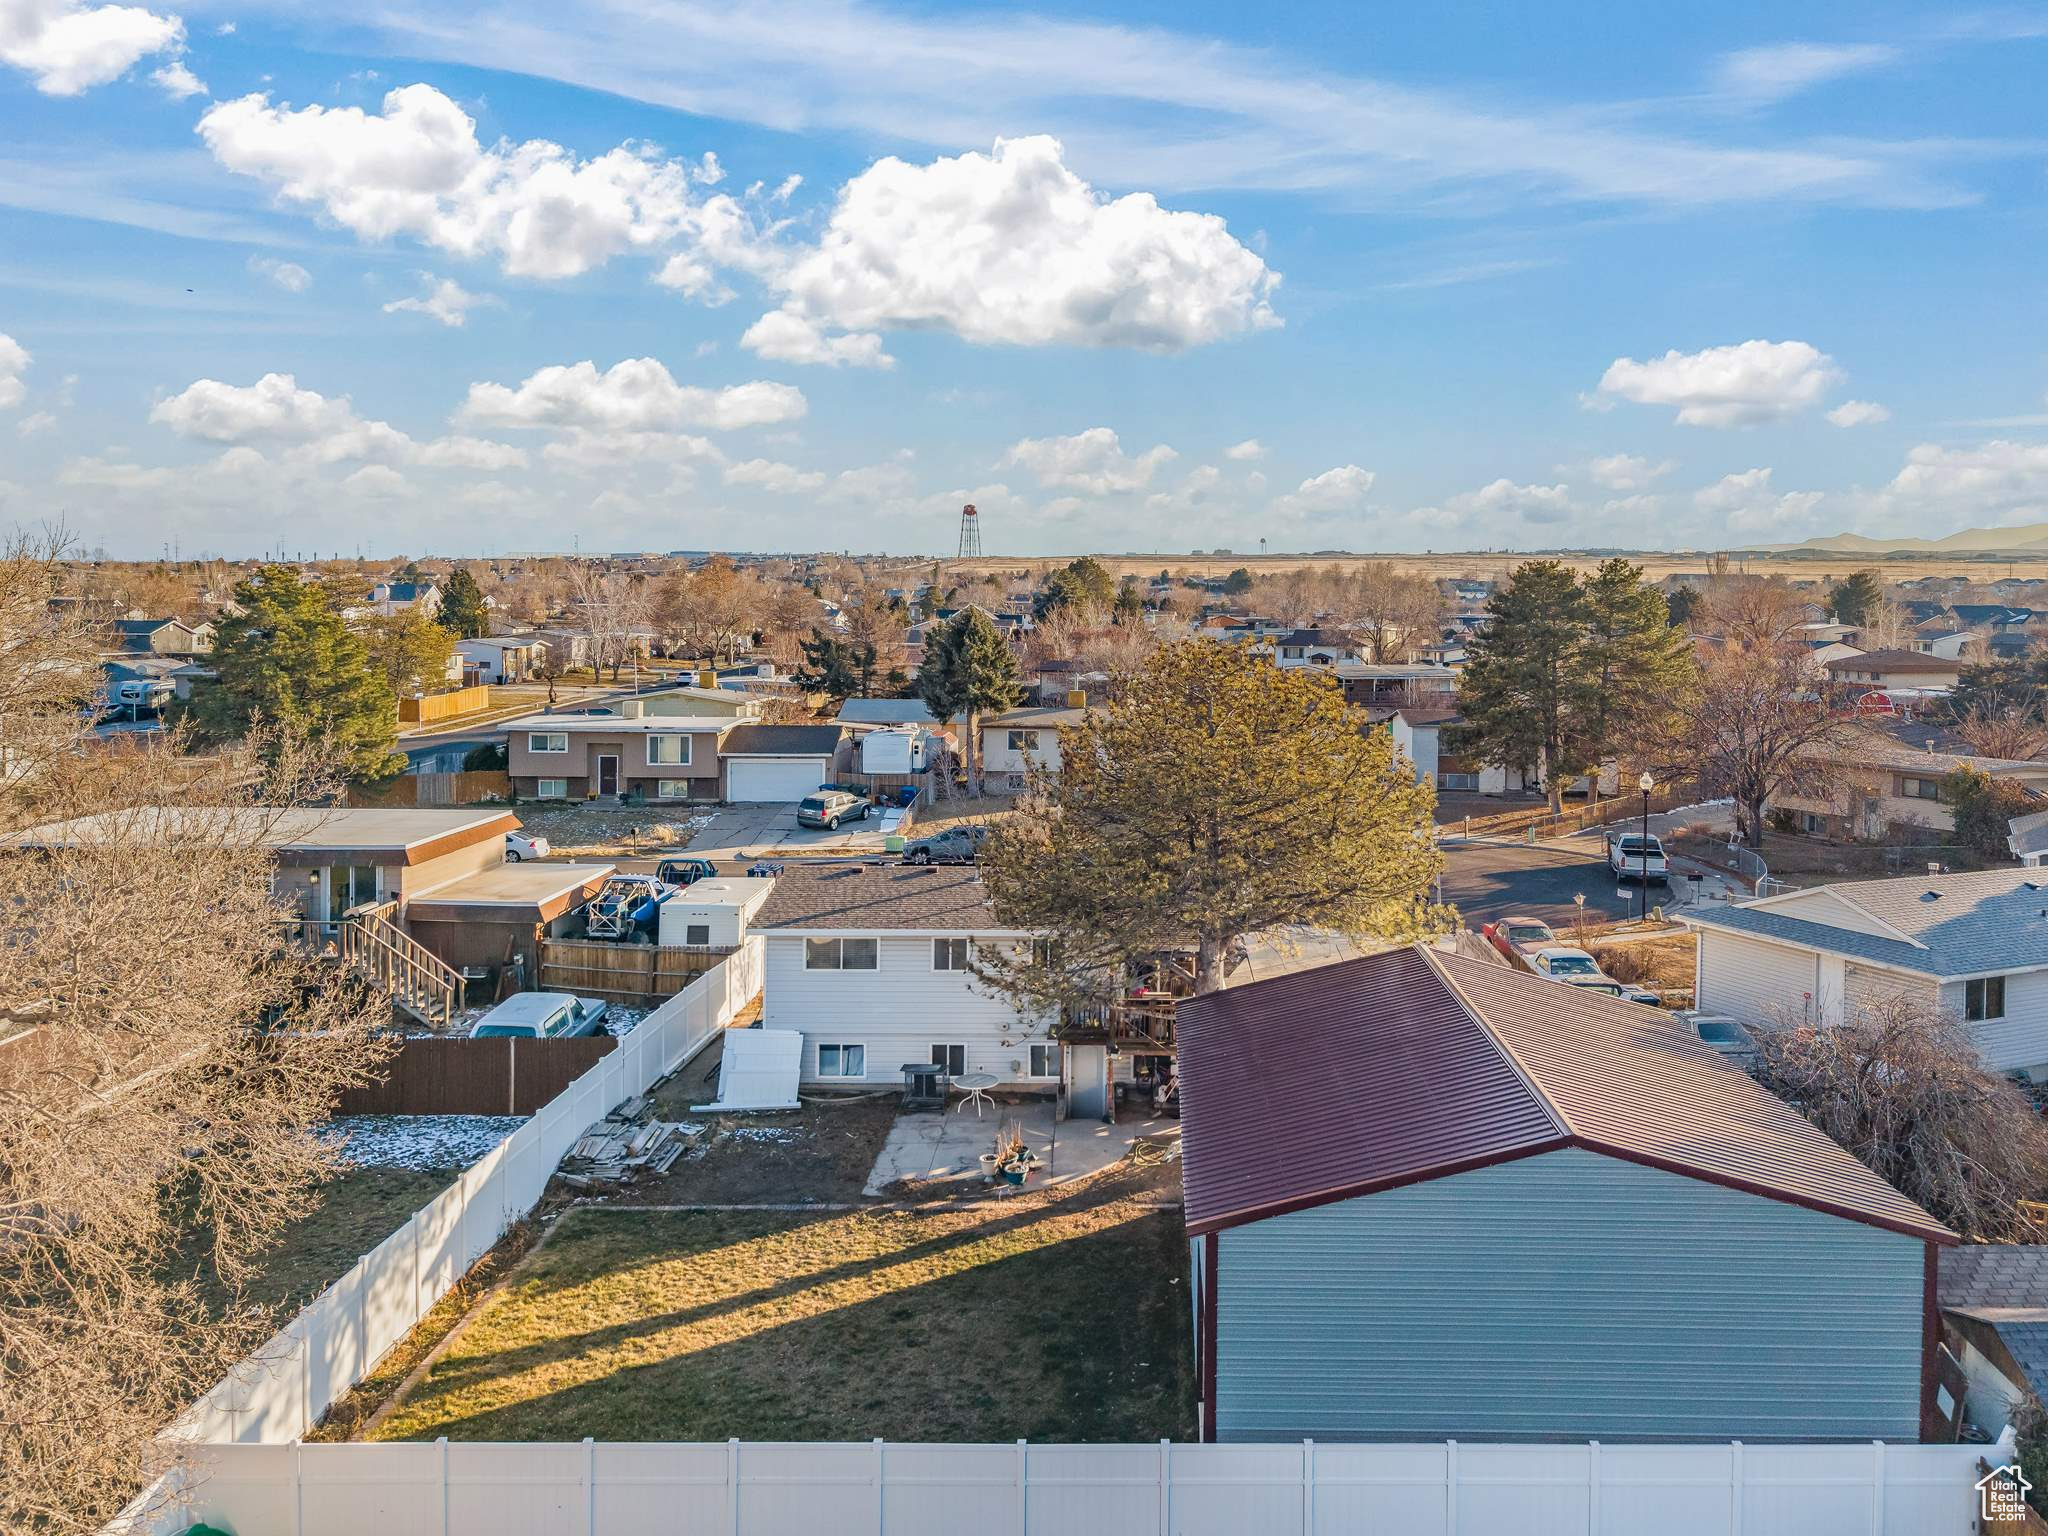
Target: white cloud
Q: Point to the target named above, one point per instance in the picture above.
(1779, 70)
(416, 168)
(1503, 498)
(782, 479)
(1627, 471)
(445, 300)
(288, 275)
(313, 428)
(178, 81)
(378, 481)
(580, 448)
(875, 483)
(1859, 413)
(1747, 503)
(1342, 489)
(1730, 386)
(637, 395)
(30, 426)
(1996, 479)
(1250, 449)
(785, 337)
(1092, 462)
(14, 361)
(1013, 247)
(69, 48)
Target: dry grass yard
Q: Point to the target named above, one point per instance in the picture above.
(1047, 1316)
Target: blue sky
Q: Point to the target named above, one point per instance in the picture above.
(795, 275)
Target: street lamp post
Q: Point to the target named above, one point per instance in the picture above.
(1646, 784)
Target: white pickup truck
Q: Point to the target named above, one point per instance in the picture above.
(1633, 856)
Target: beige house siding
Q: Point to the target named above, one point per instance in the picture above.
(579, 765)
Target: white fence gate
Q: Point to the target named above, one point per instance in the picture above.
(282, 1390)
(878, 1489)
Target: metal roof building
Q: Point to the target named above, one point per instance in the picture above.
(1433, 1198)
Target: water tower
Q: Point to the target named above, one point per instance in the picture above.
(970, 533)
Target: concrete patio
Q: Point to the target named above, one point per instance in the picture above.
(928, 1147)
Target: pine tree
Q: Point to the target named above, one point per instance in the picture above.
(1633, 668)
(1852, 601)
(968, 669)
(462, 606)
(288, 658)
(1518, 690)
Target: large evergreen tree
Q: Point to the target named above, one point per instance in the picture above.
(463, 613)
(1854, 600)
(968, 669)
(287, 657)
(1217, 796)
(1519, 690)
(1634, 668)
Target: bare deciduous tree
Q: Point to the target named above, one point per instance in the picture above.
(165, 1060)
(1750, 728)
(2007, 733)
(1900, 1085)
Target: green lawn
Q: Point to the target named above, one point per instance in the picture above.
(1046, 1318)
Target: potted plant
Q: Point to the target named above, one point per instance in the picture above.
(1013, 1159)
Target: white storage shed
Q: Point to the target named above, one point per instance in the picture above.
(713, 913)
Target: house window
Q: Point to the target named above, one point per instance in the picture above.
(551, 789)
(1921, 789)
(1984, 999)
(840, 955)
(671, 789)
(842, 1061)
(952, 1058)
(1045, 1060)
(547, 741)
(1023, 741)
(669, 751)
(949, 954)
(697, 934)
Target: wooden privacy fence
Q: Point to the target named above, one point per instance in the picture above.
(475, 1077)
(633, 974)
(434, 789)
(873, 1488)
(441, 706)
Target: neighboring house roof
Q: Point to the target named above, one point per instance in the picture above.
(1977, 615)
(1043, 717)
(1333, 638)
(1412, 1065)
(502, 642)
(885, 712)
(619, 725)
(1892, 661)
(1880, 749)
(2028, 834)
(300, 836)
(2000, 1290)
(869, 898)
(1975, 924)
(406, 591)
(1428, 715)
(781, 741)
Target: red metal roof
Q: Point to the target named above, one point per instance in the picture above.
(1409, 1065)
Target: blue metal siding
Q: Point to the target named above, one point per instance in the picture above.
(1567, 1296)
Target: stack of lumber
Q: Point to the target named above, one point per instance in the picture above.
(627, 1144)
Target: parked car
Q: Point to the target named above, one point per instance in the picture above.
(829, 807)
(1518, 938)
(1633, 856)
(541, 1016)
(519, 847)
(1576, 968)
(955, 845)
(626, 908)
(684, 871)
(1720, 1033)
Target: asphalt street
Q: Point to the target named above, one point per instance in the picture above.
(1490, 880)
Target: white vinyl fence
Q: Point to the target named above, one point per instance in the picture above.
(877, 1489)
(282, 1390)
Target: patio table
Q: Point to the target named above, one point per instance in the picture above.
(976, 1085)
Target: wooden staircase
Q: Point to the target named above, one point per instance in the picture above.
(369, 942)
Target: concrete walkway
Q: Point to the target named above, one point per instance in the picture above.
(929, 1146)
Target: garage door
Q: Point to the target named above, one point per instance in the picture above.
(765, 780)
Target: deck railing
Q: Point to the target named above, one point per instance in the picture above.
(369, 942)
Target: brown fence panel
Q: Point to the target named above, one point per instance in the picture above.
(635, 974)
(442, 706)
(475, 1077)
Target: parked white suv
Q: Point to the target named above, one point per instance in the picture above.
(1575, 968)
(1633, 856)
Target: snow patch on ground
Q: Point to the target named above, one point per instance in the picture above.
(783, 1133)
(623, 1021)
(418, 1141)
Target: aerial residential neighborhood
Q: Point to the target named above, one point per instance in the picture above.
(843, 766)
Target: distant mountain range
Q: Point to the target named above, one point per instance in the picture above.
(2027, 538)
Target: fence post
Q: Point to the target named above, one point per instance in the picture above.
(511, 1075)
(1308, 1488)
(298, 1489)
(875, 1476)
(1023, 1488)
(1735, 1488)
(1450, 1488)
(442, 1441)
(1593, 1488)
(1165, 1488)
(589, 1486)
(1877, 1488)
(732, 1487)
